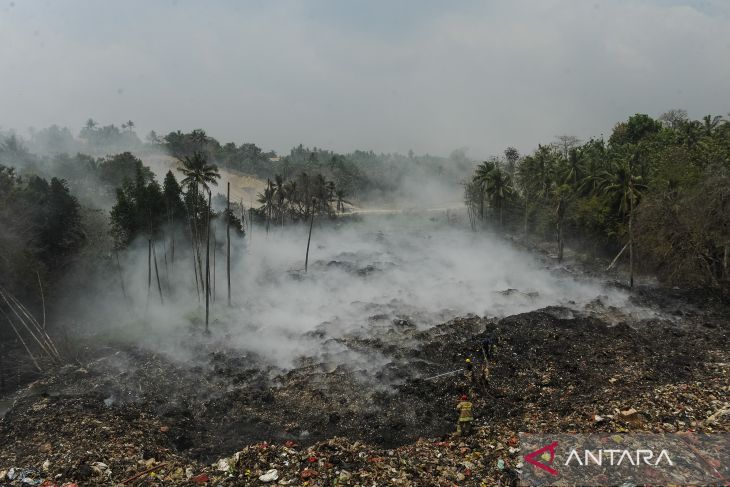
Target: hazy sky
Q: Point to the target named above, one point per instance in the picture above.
(390, 75)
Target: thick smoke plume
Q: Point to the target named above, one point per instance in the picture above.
(362, 275)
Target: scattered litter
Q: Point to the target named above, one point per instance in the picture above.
(270, 476)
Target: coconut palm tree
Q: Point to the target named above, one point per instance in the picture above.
(561, 195)
(574, 169)
(290, 191)
(481, 176)
(305, 196)
(199, 138)
(280, 198)
(625, 188)
(198, 173)
(267, 200)
(498, 187)
(710, 123)
(319, 192)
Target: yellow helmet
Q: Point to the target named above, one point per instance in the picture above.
(468, 361)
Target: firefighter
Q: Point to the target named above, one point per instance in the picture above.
(488, 345)
(471, 373)
(464, 407)
(468, 369)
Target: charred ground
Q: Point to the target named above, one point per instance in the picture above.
(555, 369)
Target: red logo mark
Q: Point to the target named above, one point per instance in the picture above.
(531, 458)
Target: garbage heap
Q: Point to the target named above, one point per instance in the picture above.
(237, 421)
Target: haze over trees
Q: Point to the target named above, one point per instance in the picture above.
(655, 194)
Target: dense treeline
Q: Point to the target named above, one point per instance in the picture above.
(657, 190)
(41, 230)
(55, 152)
(93, 139)
(361, 173)
(101, 167)
(299, 198)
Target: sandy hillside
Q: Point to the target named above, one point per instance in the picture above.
(243, 187)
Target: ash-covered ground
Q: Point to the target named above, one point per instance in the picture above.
(347, 351)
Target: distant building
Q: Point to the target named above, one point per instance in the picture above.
(274, 159)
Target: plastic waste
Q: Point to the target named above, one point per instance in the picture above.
(270, 476)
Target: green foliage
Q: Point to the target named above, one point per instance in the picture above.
(230, 218)
(296, 199)
(669, 178)
(140, 209)
(636, 129)
(41, 229)
(198, 172)
(116, 170)
(173, 196)
(360, 172)
(109, 138)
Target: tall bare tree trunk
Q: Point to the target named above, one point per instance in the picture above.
(631, 241)
(195, 264)
(149, 271)
(157, 275)
(121, 278)
(172, 241)
(244, 224)
(215, 245)
(560, 240)
(250, 222)
(309, 239)
(228, 244)
(207, 268)
(198, 239)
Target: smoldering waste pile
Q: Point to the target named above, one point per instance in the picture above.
(138, 417)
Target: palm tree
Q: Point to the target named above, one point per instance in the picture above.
(199, 138)
(710, 123)
(267, 200)
(319, 192)
(481, 176)
(280, 197)
(305, 194)
(574, 168)
(561, 194)
(473, 198)
(691, 132)
(498, 187)
(198, 173)
(535, 175)
(290, 195)
(625, 188)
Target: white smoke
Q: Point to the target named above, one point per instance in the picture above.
(361, 276)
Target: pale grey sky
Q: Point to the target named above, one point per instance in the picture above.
(425, 75)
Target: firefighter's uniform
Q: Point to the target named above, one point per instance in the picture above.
(465, 417)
